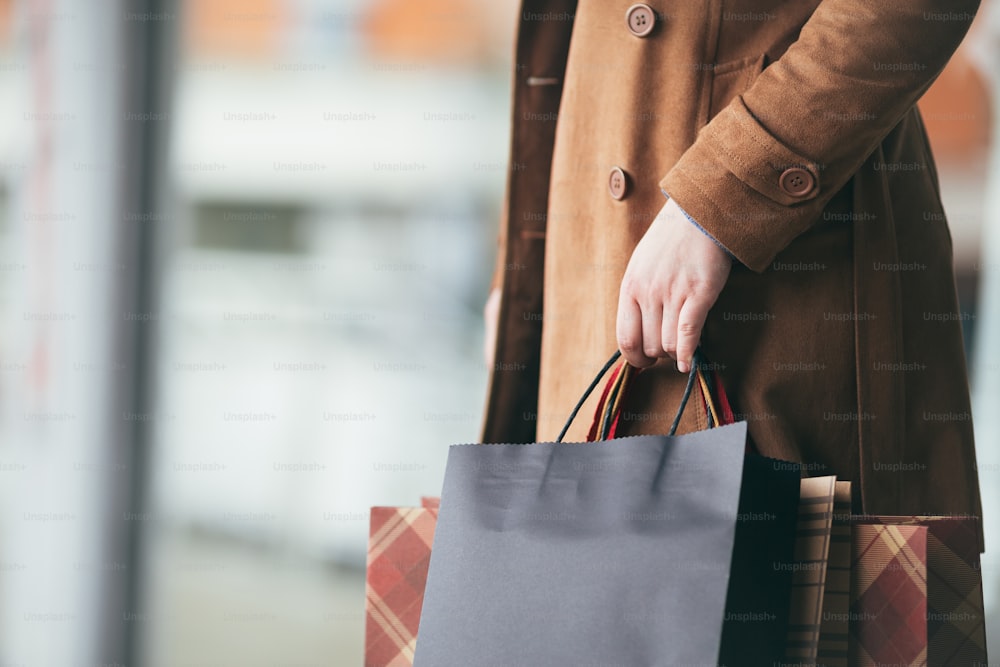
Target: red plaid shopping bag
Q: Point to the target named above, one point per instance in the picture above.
(399, 551)
(939, 556)
(889, 595)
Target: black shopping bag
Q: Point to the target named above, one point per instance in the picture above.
(602, 553)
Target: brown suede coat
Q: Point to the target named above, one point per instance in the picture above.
(837, 336)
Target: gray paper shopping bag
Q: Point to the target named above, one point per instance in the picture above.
(568, 554)
(627, 552)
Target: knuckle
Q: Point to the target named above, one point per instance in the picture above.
(688, 329)
(629, 343)
(630, 285)
(696, 284)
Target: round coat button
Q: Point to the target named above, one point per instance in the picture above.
(797, 181)
(618, 183)
(640, 19)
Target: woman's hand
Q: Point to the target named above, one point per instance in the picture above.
(672, 280)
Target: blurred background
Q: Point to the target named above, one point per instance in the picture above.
(244, 247)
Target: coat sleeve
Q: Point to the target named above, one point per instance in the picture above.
(857, 67)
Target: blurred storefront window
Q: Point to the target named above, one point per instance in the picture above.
(337, 169)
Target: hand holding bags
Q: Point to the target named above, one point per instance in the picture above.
(614, 553)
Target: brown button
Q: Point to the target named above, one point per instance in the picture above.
(618, 183)
(797, 181)
(640, 19)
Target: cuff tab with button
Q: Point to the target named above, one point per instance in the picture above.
(778, 172)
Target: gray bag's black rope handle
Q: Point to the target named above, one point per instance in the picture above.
(587, 393)
(697, 361)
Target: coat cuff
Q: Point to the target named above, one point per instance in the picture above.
(761, 215)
